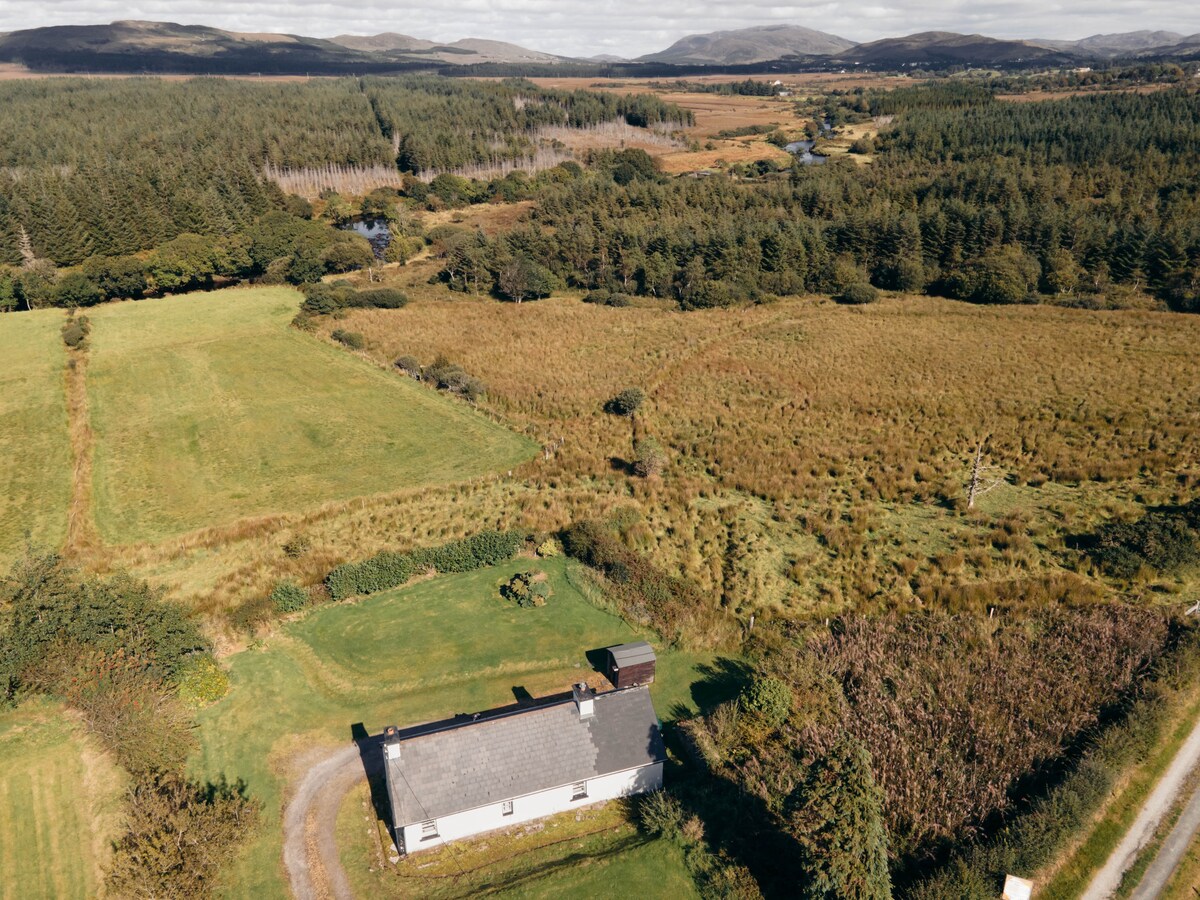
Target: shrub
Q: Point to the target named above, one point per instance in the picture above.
(857, 294)
(409, 366)
(660, 813)
(649, 457)
(73, 336)
(297, 546)
(1160, 541)
(380, 298)
(388, 570)
(289, 597)
(202, 681)
(770, 698)
(526, 590)
(351, 339)
(626, 403)
(548, 548)
(179, 833)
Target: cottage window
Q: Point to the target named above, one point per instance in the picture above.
(429, 830)
(506, 808)
(579, 790)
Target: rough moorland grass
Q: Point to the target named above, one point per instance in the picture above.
(420, 653)
(210, 408)
(60, 805)
(35, 480)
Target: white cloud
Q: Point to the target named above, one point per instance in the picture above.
(625, 27)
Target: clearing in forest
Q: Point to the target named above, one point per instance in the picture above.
(419, 653)
(35, 481)
(210, 408)
(62, 805)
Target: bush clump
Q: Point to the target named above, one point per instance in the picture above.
(289, 597)
(526, 589)
(75, 331)
(603, 297)
(351, 339)
(626, 403)
(857, 294)
(1164, 542)
(322, 299)
(388, 570)
(769, 698)
(202, 681)
(661, 813)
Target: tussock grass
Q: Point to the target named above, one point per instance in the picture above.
(211, 409)
(35, 480)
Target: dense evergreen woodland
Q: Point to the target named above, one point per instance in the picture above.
(967, 197)
(1081, 200)
(98, 171)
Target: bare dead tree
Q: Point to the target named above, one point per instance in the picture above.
(25, 248)
(982, 479)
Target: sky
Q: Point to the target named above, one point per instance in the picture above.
(622, 27)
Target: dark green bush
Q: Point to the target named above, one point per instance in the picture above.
(1161, 541)
(388, 570)
(857, 294)
(769, 698)
(626, 403)
(351, 339)
(289, 597)
(381, 298)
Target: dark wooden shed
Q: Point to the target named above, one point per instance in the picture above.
(630, 664)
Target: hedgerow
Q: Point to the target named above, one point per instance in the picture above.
(388, 570)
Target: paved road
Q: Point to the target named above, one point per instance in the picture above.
(1157, 805)
(310, 852)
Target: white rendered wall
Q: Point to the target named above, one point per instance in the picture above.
(534, 806)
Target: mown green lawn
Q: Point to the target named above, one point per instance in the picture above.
(60, 804)
(421, 653)
(209, 408)
(35, 479)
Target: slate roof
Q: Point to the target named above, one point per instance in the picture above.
(482, 762)
(632, 654)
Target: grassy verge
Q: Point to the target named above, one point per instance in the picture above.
(415, 654)
(35, 480)
(1076, 868)
(579, 853)
(61, 805)
(209, 409)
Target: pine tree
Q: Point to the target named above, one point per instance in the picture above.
(836, 816)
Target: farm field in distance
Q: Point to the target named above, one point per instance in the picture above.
(416, 654)
(62, 802)
(33, 427)
(209, 409)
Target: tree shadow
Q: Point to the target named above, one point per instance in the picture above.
(617, 464)
(720, 681)
(370, 751)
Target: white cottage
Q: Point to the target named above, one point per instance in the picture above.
(450, 781)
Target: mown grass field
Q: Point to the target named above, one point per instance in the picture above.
(420, 653)
(60, 806)
(210, 408)
(35, 480)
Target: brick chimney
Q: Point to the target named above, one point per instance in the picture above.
(585, 700)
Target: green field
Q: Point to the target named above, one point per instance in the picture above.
(209, 408)
(35, 480)
(420, 653)
(60, 805)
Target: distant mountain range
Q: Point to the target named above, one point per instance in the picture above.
(134, 46)
(750, 45)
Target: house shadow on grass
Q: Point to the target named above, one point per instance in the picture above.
(370, 751)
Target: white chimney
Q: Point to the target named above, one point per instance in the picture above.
(391, 743)
(585, 699)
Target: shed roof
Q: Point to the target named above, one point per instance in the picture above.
(632, 654)
(482, 762)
